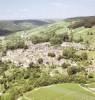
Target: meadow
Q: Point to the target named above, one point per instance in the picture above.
(66, 91)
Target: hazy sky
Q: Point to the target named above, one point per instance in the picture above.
(35, 9)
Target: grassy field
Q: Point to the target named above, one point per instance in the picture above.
(91, 85)
(67, 91)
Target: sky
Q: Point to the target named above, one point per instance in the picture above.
(45, 9)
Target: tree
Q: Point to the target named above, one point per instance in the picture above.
(66, 37)
(72, 70)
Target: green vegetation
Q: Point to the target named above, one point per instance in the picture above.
(58, 39)
(40, 60)
(59, 57)
(71, 53)
(55, 41)
(68, 53)
(65, 65)
(51, 54)
(12, 45)
(39, 39)
(73, 70)
(16, 81)
(68, 91)
(86, 22)
(10, 27)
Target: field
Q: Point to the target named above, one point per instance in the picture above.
(66, 91)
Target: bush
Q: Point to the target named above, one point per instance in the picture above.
(84, 56)
(72, 70)
(26, 75)
(66, 37)
(39, 39)
(60, 57)
(51, 54)
(4, 53)
(31, 65)
(55, 40)
(59, 38)
(40, 60)
(78, 40)
(12, 45)
(78, 57)
(65, 65)
(90, 33)
(90, 75)
(44, 80)
(68, 53)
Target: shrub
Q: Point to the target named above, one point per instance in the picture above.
(4, 53)
(59, 38)
(55, 40)
(40, 60)
(80, 79)
(78, 40)
(31, 65)
(90, 75)
(25, 47)
(90, 33)
(51, 54)
(39, 39)
(65, 65)
(56, 72)
(78, 57)
(66, 37)
(44, 80)
(16, 45)
(68, 53)
(26, 75)
(60, 57)
(84, 56)
(72, 70)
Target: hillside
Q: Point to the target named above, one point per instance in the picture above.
(80, 18)
(7, 27)
(60, 92)
(46, 55)
(11, 26)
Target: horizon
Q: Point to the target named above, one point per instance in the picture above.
(43, 18)
(45, 9)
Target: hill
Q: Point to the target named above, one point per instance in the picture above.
(7, 27)
(79, 18)
(46, 55)
(86, 22)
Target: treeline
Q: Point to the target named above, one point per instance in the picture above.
(85, 22)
